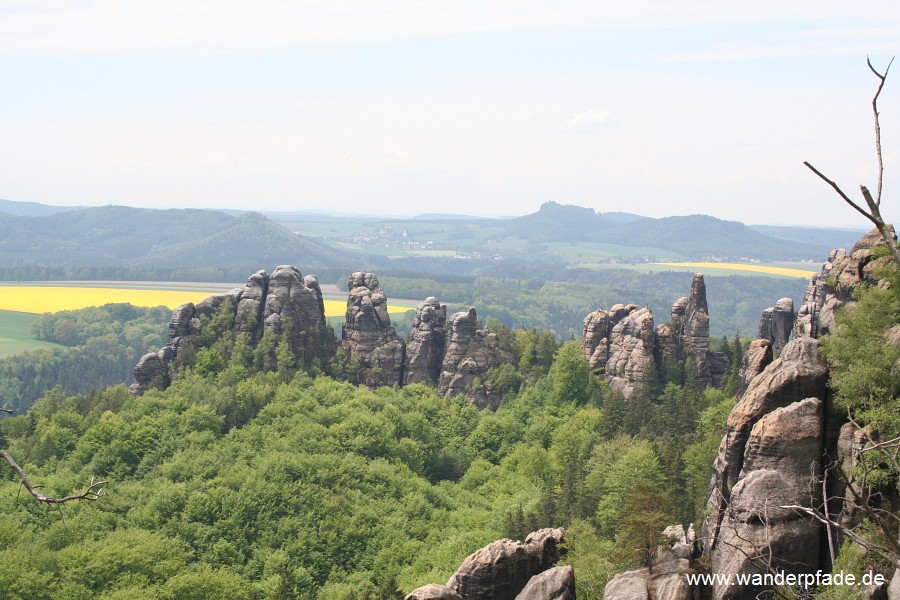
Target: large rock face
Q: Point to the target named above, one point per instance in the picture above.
(557, 583)
(433, 591)
(595, 339)
(781, 463)
(632, 347)
(367, 333)
(425, 348)
(596, 334)
(756, 358)
(502, 569)
(768, 457)
(776, 323)
(695, 328)
(833, 286)
(469, 354)
(621, 343)
(283, 303)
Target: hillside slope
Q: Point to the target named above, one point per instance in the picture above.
(119, 235)
(697, 236)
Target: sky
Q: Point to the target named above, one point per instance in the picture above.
(450, 106)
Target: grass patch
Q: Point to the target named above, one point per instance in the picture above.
(15, 334)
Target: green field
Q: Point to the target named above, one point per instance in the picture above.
(15, 333)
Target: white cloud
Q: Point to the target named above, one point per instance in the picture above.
(589, 121)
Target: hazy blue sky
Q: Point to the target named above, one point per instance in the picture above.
(461, 106)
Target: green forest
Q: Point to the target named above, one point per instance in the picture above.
(101, 346)
(254, 477)
(243, 483)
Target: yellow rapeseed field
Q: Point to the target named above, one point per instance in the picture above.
(786, 272)
(41, 299)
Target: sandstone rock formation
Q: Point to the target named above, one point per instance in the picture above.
(557, 583)
(433, 592)
(290, 308)
(779, 437)
(597, 331)
(620, 343)
(833, 286)
(781, 464)
(368, 336)
(469, 354)
(695, 328)
(632, 347)
(595, 339)
(756, 358)
(665, 581)
(851, 441)
(768, 458)
(776, 323)
(425, 348)
(502, 569)
(283, 303)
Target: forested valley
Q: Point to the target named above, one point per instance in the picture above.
(260, 457)
(243, 482)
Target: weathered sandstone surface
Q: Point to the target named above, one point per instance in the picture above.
(776, 323)
(622, 342)
(368, 336)
(833, 285)
(284, 303)
(455, 353)
(665, 581)
(508, 570)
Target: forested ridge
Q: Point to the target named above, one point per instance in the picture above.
(257, 475)
(292, 484)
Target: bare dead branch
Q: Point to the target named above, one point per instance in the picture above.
(8, 411)
(828, 529)
(93, 491)
(874, 204)
(840, 192)
(864, 543)
(883, 78)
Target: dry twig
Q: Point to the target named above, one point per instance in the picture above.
(93, 491)
(874, 204)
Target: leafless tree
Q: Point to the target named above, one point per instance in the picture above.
(873, 213)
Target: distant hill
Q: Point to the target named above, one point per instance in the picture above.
(31, 209)
(556, 236)
(696, 236)
(623, 217)
(175, 238)
(825, 238)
